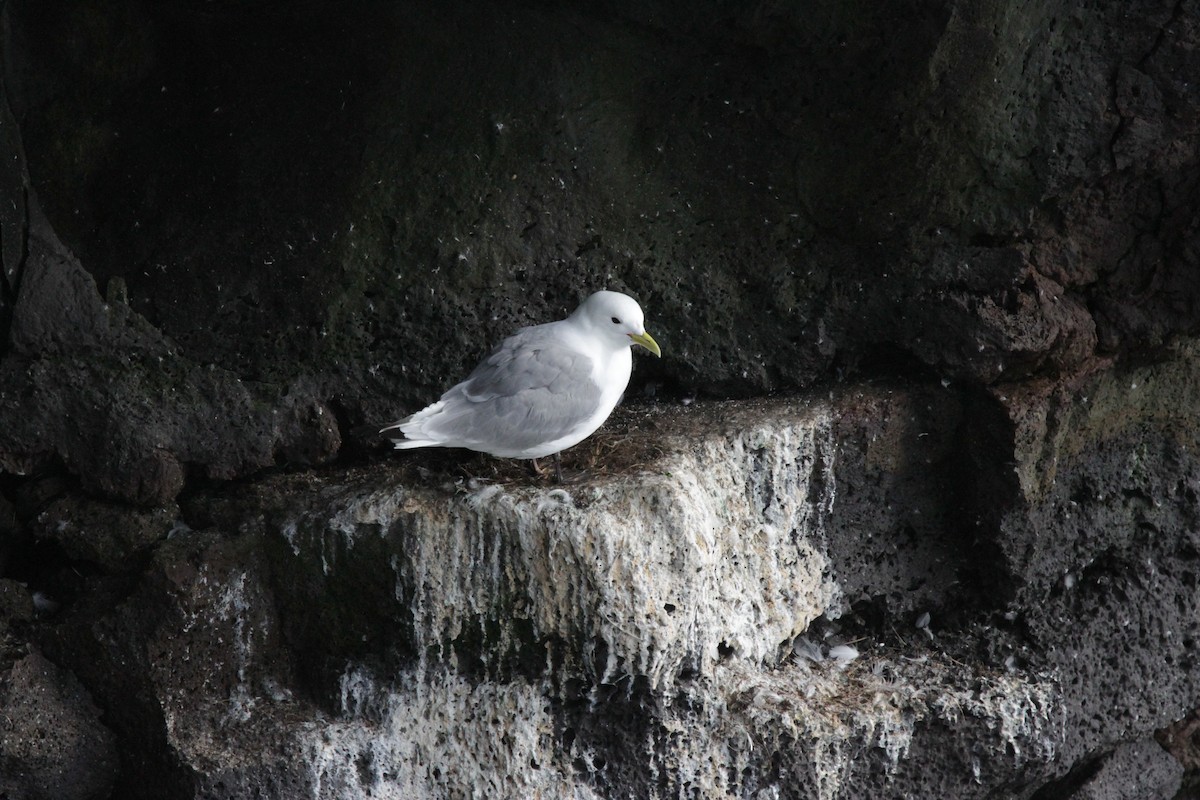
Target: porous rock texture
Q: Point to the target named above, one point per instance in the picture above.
(909, 508)
(52, 744)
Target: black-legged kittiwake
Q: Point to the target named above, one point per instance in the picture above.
(543, 389)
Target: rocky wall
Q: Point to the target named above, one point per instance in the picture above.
(926, 282)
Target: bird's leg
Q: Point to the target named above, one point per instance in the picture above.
(541, 471)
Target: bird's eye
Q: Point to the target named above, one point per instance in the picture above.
(616, 321)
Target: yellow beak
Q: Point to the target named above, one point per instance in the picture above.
(646, 341)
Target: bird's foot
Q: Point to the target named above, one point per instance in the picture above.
(542, 472)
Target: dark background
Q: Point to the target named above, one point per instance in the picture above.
(238, 236)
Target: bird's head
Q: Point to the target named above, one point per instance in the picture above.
(618, 318)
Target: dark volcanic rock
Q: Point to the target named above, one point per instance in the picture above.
(16, 616)
(991, 192)
(52, 743)
(1182, 740)
(92, 383)
(1140, 769)
(392, 627)
(60, 313)
(108, 535)
(187, 659)
(233, 235)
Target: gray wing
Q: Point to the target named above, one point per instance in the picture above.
(528, 391)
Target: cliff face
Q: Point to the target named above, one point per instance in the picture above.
(955, 244)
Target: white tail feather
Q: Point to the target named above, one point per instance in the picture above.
(411, 428)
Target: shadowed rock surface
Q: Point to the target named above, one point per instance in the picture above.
(927, 269)
(52, 744)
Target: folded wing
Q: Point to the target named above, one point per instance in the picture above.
(528, 391)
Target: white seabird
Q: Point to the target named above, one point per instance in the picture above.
(543, 389)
